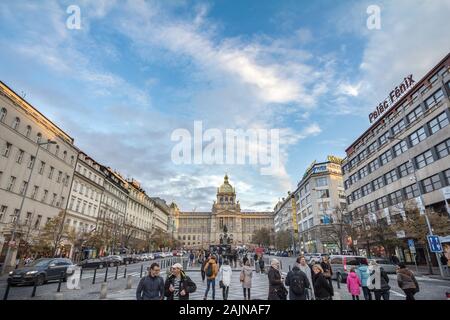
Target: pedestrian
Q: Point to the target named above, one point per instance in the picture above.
(277, 290)
(191, 259)
(220, 260)
(257, 268)
(202, 269)
(246, 280)
(327, 272)
(363, 273)
(151, 287)
(262, 264)
(224, 277)
(244, 259)
(407, 281)
(211, 270)
(178, 285)
(303, 266)
(382, 287)
(322, 289)
(353, 284)
(298, 283)
(395, 260)
(444, 262)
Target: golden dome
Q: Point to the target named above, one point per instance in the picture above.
(226, 186)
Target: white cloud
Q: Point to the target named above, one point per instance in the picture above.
(350, 90)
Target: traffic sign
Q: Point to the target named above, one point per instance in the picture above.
(435, 244)
(411, 246)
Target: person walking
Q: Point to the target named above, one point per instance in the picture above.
(327, 272)
(444, 262)
(224, 277)
(303, 266)
(353, 284)
(395, 260)
(244, 259)
(246, 280)
(151, 287)
(322, 289)
(262, 264)
(256, 258)
(211, 270)
(277, 290)
(202, 266)
(235, 258)
(363, 273)
(382, 287)
(191, 259)
(178, 285)
(298, 284)
(407, 281)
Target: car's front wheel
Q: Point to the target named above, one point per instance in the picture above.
(40, 280)
(100, 266)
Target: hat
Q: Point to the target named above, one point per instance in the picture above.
(178, 265)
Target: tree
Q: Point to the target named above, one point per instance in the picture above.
(263, 237)
(283, 239)
(338, 229)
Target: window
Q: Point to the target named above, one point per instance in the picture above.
(3, 113)
(323, 193)
(31, 162)
(413, 115)
(7, 149)
(321, 182)
(399, 126)
(64, 155)
(372, 147)
(57, 150)
(72, 159)
(12, 181)
(396, 197)
(374, 165)
(39, 137)
(386, 157)
(28, 132)
(424, 159)
(53, 199)
(384, 138)
(349, 200)
(38, 222)
(391, 176)
(378, 183)
(371, 206)
(366, 189)
(436, 76)
(66, 182)
(44, 197)
(23, 187)
(3, 210)
(35, 192)
(438, 123)
(354, 178)
(357, 194)
(58, 179)
(20, 154)
(405, 169)
(42, 167)
(417, 136)
(50, 174)
(363, 172)
(15, 124)
(411, 191)
(434, 99)
(447, 176)
(399, 148)
(16, 215)
(382, 202)
(78, 205)
(432, 183)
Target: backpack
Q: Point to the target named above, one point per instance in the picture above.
(209, 270)
(297, 283)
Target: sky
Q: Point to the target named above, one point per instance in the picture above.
(137, 70)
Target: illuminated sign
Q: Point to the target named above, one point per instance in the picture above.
(320, 168)
(335, 159)
(394, 96)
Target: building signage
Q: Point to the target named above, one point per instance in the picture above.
(320, 168)
(394, 96)
(335, 159)
(401, 234)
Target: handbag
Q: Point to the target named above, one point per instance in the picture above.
(221, 284)
(242, 276)
(281, 292)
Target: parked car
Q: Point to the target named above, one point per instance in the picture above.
(92, 263)
(388, 266)
(341, 265)
(157, 255)
(113, 260)
(41, 271)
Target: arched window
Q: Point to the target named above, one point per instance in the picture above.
(16, 123)
(57, 150)
(3, 113)
(28, 132)
(39, 137)
(48, 144)
(64, 155)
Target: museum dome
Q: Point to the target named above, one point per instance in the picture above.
(226, 187)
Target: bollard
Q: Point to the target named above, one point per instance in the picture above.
(95, 275)
(338, 283)
(5, 297)
(125, 272)
(289, 267)
(33, 294)
(81, 273)
(59, 296)
(60, 280)
(142, 268)
(117, 271)
(128, 282)
(106, 274)
(104, 290)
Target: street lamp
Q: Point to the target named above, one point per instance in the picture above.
(13, 233)
(430, 231)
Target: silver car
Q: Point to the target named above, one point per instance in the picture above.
(388, 266)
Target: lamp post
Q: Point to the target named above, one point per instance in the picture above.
(13, 233)
(430, 230)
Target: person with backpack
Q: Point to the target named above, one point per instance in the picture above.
(303, 266)
(363, 274)
(211, 270)
(407, 281)
(246, 280)
(353, 284)
(151, 287)
(381, 289)
(178, 285)
(224, 277)
(298, 284)
(277, 290)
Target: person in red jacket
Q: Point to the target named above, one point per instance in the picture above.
(354, 284)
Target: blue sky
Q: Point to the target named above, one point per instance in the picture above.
(137, 70)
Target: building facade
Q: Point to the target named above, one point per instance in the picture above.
(411, 138)
(320, 199)
(35, 178)
(283, 214)
(225, 223)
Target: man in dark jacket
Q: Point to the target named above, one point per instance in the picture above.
(327, 272)
(178, 285)
(383, 291)
(151, 287)
(298, 283)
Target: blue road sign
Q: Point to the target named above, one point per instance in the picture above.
(435, 244)
(410, 243)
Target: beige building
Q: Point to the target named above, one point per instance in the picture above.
(23, 132)
(200, 229)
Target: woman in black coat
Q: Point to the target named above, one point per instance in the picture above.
(277, 290)
(322, 287)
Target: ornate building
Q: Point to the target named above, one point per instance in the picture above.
(226, 223)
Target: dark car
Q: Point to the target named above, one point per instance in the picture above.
(113, 260)
(41, 271)
(92, 263)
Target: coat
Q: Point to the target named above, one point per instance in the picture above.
(248, 273)
(215, 268)
(406, 279)
(363, 274)
(322, 288)
(384, 281)
(307, 270)
(353, 284)
(186, 284)
(289, 280)
(326, 266)
(224, 275)
(276, 286)
(150, 288)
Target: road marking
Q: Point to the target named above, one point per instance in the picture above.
(397, 293)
